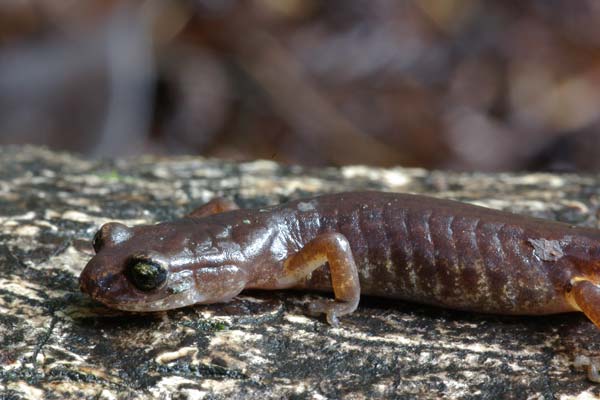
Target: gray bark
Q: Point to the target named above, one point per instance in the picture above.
(56, 342)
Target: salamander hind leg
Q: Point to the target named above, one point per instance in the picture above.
(334, 249)
(586, 295)
(215, 206)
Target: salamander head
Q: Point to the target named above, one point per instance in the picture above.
(156, 267)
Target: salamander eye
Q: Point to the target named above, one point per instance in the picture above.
(145, 274)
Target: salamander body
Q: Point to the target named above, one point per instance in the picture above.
(401, 246)
(408, 247)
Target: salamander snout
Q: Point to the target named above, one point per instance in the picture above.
(94, 280)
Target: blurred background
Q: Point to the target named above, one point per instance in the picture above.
(454, 84)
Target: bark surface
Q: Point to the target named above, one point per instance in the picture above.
(57, 343)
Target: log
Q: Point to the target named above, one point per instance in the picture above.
(57, 343)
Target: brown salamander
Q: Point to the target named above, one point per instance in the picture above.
(402, 246)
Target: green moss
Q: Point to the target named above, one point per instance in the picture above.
(112, 175)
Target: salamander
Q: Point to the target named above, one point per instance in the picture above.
(401, 246)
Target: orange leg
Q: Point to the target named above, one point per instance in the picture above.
(586, 295)
(215, 206)
(334, 249)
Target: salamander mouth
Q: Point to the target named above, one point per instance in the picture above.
(168, 302)
(122, 295)
(135, 307)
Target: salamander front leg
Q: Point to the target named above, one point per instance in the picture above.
(215, 206)
(334, 249)
(586, 295)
